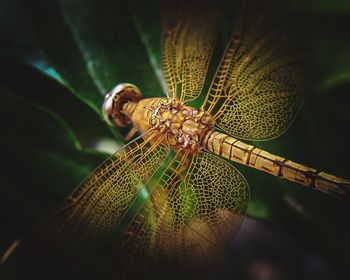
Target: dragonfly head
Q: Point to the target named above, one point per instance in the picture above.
(112, 107)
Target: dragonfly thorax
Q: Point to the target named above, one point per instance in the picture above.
(183, 127)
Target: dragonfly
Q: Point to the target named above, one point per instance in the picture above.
(169, 202)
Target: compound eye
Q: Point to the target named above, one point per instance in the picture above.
(107, 108)
(114, 101)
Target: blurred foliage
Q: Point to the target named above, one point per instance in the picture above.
(58, 58)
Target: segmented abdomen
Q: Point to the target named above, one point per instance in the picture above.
(233, 149)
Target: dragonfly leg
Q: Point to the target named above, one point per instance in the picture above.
(185, 162)
(130, 134)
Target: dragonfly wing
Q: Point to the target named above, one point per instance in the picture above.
(187, 44)
(195, 209)
(92, 214)
(258, 86)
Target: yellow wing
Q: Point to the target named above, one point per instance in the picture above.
(76, 234)
(258, 86)
(194, 211)
(187, 44)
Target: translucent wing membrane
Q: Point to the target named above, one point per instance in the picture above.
(175, 223)
(187, 44)
(258, 86)
(193, 212)
(93, 214)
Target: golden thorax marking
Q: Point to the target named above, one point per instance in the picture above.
(183, 126)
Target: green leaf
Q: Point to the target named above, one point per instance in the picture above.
(331, 50)
(84, 45)
(46, 92)
(41, 163)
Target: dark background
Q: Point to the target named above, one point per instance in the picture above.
(58, 58)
